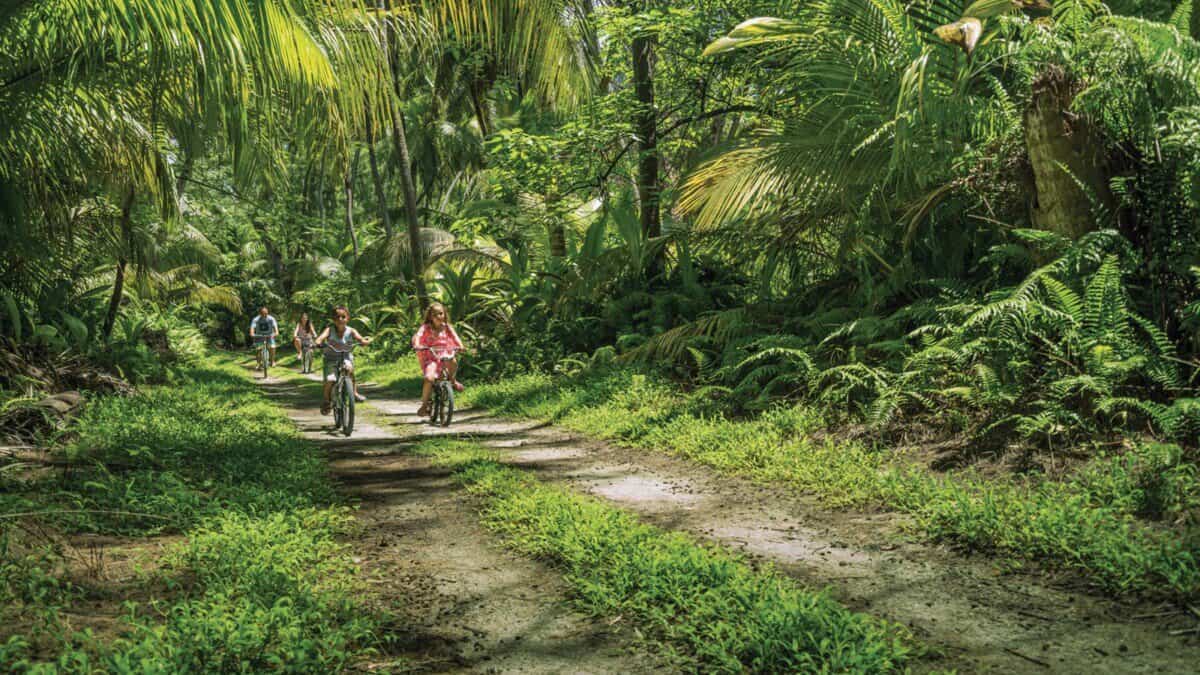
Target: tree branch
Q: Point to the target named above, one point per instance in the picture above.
(707, 115)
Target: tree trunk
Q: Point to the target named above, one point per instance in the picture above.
(118, 292)
(645, 125)
(1064, 153)
(416, 257)
(555, 229)
(400, 141)
(348, 188)
(181, 178)
(479, 103)
(377, 179)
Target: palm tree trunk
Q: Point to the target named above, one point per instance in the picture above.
(377, 178)
(400, 141)
(348, 188)
(479, 103)
(181, 178)
(118, 292)
(645, 126)
(416, 257)
(1064, 153)
(557, 232)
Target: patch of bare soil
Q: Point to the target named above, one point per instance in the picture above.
(980, 619)
(462, 602)
(104, 574)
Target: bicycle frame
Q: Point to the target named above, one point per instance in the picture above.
(341, 396)
(307, 347)
(442, 396)
(263, 345)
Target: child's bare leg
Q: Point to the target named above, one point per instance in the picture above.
(327, 387)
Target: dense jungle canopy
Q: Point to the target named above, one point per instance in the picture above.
(968, 229)
(897, 208)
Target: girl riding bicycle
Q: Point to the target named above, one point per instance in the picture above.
(339, 340)
(435, 336)
(304, 331)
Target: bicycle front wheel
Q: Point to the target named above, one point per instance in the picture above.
(435, 410)
(265, 357)
(347, 396)
(447, 396)
(336, 400)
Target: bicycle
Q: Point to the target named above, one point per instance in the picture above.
(442, 403)
(264, 354)
(307, 347)
(342, 397)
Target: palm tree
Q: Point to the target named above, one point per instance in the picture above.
(96, 96)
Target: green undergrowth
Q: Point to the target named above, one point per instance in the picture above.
(703, 602)
(158, 461)
(401, 377)
(263, 580)
(1109, 521)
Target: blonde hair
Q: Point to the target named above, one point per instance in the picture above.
(428, 318)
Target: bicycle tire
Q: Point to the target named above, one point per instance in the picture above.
(347, 395)
(447, 403)
(265, 356)
(307, 361)
(435, 411)
(335, 399)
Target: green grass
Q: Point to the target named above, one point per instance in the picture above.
(262, 581)
(1095, 523)
(161, 460)
(271, 593)
(701, 601)
(401, 377)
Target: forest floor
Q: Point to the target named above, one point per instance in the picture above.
(476, 606)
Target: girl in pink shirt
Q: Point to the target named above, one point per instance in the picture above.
(435, 337)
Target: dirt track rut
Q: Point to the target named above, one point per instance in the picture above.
(980, 620)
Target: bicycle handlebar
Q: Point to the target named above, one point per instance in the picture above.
(446, 355)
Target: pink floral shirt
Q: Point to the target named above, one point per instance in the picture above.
(441, 341)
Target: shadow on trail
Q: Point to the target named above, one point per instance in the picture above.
(463, 603)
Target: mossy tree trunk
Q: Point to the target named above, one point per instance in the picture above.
(1066, 155)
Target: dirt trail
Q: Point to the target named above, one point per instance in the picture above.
(980, 620)
(465, 603)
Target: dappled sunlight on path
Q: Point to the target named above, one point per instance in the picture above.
(981, 620)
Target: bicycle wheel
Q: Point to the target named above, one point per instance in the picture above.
(336, 400)
(435, 410)
(306, 361)
(347, 396)
(447, 402)
(265, 357)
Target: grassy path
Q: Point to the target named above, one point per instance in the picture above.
(464, 603)
(980, 618)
